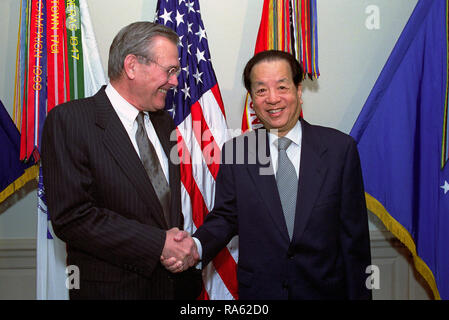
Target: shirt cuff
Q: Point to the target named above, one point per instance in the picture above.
(200, 252)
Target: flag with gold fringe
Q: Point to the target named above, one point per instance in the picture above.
(402, 137)
(14, 173)
(57, 60)
(291, 26)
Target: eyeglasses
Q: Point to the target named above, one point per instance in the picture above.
(171, 71)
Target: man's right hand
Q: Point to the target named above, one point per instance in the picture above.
(180, 251)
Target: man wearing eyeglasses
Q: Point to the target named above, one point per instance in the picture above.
(113, 195)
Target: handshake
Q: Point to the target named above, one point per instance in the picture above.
(180, 251)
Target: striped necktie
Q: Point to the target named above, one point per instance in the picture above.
(152, 166)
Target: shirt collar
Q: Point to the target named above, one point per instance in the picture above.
(126, 111)
(295, 134)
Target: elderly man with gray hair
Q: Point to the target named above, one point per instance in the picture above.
(113, 195)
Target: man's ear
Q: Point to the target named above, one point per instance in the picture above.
(130, 66)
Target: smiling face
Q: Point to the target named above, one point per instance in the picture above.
(276, 99)
(152, 81)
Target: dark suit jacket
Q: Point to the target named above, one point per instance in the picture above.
(330, 249)
(102, 204)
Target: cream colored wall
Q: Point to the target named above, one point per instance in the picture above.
(350, 59)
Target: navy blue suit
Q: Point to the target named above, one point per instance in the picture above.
(329, 251)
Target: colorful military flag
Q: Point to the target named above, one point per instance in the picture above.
(198, 111)
(291, 26)
(402, 137)
(57, 60)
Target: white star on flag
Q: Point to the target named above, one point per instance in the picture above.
(445, 187)
(166, 16)
(201, 33)
(179, 18)
(199, 55)
(188, 48)
(186, 92)
(190, 6)
(186, 69)
(197, 76)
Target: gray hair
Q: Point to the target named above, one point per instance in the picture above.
(135, 39)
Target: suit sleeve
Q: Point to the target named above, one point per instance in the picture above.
(354, 234)
(221, 224)
(76, 216)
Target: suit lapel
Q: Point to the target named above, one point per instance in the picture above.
(117, 141)
(263, 177)
(311, 176)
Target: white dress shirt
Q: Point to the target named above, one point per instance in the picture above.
(127, 114)
(293, 151)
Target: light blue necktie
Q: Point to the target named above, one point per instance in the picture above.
(287, 183)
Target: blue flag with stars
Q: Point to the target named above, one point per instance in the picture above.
(402, 137)
(197, 76)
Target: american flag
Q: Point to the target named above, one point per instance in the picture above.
(199, 115)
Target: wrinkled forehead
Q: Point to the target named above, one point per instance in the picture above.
(160, 46)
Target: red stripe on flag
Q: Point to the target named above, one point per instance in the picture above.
(224, 263)
(217, 94)
(35, 79)
(55, 49)
(23, 129)
(245, 125)
(284, 24)
(203, 295)
(262, 35)
(199, 208)
(306, 55)
(209, 148)
(226, 267)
